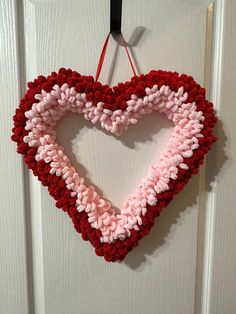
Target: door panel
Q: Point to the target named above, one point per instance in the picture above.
(182, 266)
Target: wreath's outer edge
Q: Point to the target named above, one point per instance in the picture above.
(95, 91)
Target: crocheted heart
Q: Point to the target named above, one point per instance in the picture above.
(48, 99)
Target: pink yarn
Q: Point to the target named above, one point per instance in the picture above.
(41, 121)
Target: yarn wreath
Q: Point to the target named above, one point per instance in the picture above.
(48, 99)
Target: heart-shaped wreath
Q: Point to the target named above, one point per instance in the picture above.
(48, 99)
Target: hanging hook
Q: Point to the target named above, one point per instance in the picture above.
(115, 16)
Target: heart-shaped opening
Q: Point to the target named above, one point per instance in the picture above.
(114, 164)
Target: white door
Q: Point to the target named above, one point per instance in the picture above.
(187, 264)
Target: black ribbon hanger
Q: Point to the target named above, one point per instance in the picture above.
(115, 16)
